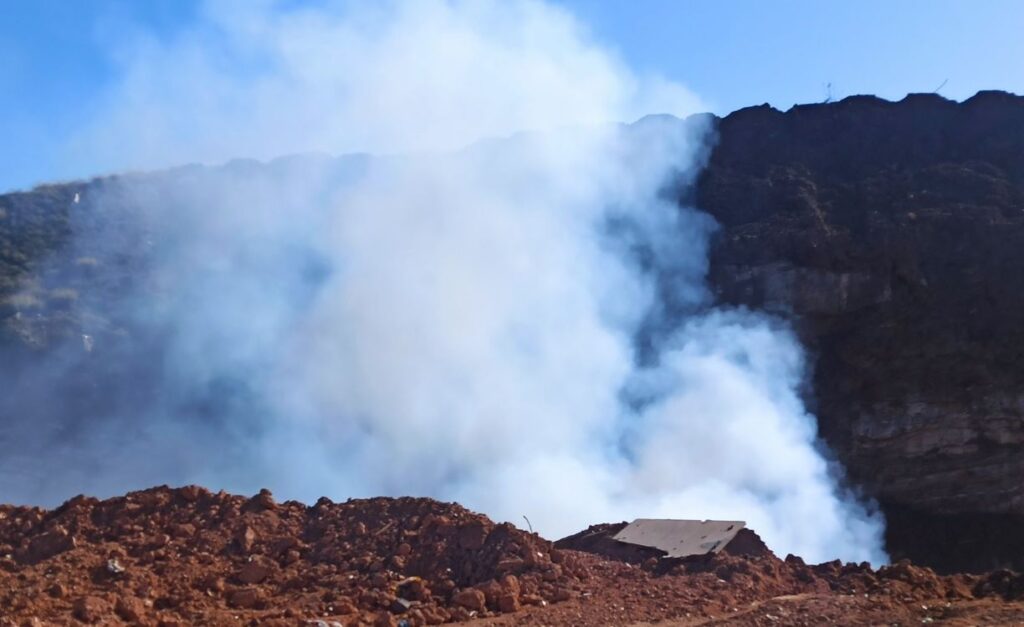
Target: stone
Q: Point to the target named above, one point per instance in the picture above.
(413, 588)
(508, 603)
(561, 594)
(471, 599)
(130, 609)
(510, 583)
(245, 538)
(47, 545)
(245, 598)
(264, 500)
(552, 573)
(57, 590)
(89, 609)
(472, 536)
(191, 493)
(344, 606)
(511, 565)
(256, 570)
(434, 615)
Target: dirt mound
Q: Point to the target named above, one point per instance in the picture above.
(188, 556)
(765, 590)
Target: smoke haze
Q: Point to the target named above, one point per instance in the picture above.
(506, 306)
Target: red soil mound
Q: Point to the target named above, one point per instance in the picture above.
(189, 557)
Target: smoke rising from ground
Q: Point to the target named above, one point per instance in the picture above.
(520, 324)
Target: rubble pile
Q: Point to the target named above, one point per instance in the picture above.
(189, 556)
(174, 557)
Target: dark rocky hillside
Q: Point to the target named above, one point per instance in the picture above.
(891, 234)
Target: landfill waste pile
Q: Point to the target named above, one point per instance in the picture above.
(188, 556)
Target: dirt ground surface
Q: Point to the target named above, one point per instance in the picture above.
(186, 556)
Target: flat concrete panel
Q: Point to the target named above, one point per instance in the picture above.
(681, 538)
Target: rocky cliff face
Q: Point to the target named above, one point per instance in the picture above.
(892, 234)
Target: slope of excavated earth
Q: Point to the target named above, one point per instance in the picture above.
(890, 235)
(191, 557)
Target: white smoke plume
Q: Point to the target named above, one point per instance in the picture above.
(520, 324)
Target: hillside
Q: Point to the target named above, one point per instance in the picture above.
(890, 234)
(893, 234)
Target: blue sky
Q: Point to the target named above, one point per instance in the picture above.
(58, 56)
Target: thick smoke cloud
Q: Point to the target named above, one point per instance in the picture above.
(521, 324)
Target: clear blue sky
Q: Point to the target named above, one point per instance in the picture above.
(55, 55)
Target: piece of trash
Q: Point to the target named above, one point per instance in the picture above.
(680, 538)
(114, 567)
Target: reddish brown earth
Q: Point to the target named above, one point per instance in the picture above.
(189, 557)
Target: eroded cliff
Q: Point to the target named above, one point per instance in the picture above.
(892, 234)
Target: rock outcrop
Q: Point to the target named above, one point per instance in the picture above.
(892, 235)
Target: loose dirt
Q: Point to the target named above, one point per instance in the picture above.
(174, 557)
